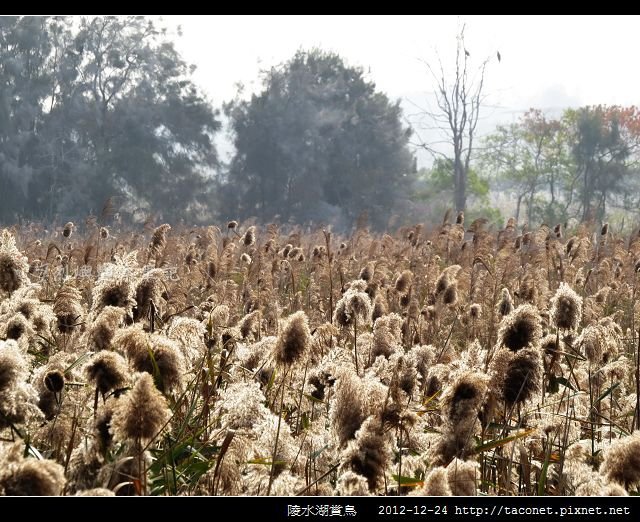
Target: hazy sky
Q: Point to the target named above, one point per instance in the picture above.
(548, 62)
(582, 59)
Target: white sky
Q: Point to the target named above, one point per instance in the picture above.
(581, 59)
(548, 62)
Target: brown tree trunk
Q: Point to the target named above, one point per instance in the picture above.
(460, 190)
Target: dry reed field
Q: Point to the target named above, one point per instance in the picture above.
(454, 359)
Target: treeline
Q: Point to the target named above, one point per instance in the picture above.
(580, 166)
(99, 108)
(104, 109)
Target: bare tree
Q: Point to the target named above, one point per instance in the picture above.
(458, 100)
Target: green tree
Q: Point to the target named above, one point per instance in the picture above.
(24, 84)
(435, 187)
(459, 97)
(572, 167)
(318, 142)
(532, 159)
(605, 139)
(115, 114)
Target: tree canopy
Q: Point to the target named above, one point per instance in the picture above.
(319, 142)
(97, 109)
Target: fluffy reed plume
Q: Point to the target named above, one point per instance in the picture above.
(232, 225)
(522, 376)
(28, 477)
(549, 346)
(505, 305)
(113, 288)
(406, 378)
(43, 320)
(54, 381)
(220, 315)
(84, 465)
(253, 356)
(243, 406)
(520, 329)
(158, 241)
(250, 325)
(379, 307)
(351, 484)
(442, 283)
(18, 327)
(14, 267)
(190, 334)
(461, 403)
(105, 326)
(160, 357)
(131, 341)
(294, 253)
(437, 376)
(334, 375)
(579, 475)
(68, 308)
(436, 483)
(141, 414)
(403, 282)
(600, 342)
(462, 477)
(211, 271)
(28, 307)
(107, 371)
(354, 306)
(249, 237)
(347, 406)
(464, 397)
(601, 295)
(369, 454)
(566, 308)
(614, 490)
(318, 380)
(447, 277)
(68, 229)
(102, 424)
(17, 397)
(423, 357)
(557, 231)
(386, 336)
(227, 476)
(286, 482)
(13, 367)
(294, 340)
(621, 462)
(285, 251)
(450, 295)
(366, 274)
(149, 288)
